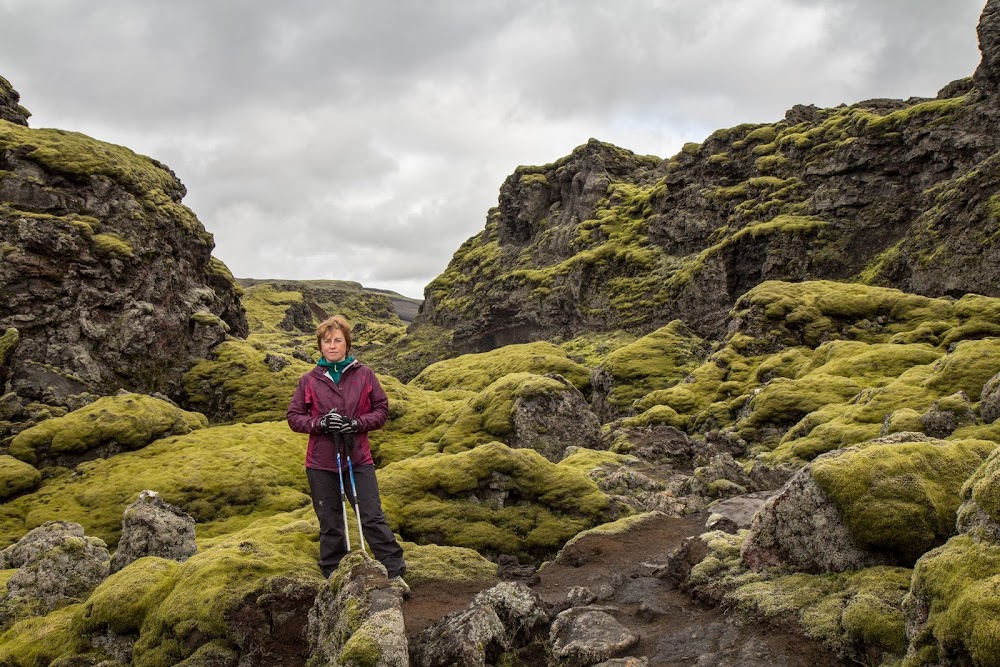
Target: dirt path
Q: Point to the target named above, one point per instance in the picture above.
(675, 629)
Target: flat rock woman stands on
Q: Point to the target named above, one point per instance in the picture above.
(342, 397)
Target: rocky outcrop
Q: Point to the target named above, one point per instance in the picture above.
(98, 246)
(153, 527)
(497, 622)
(356, 618)
(56, 565)
(603, 239)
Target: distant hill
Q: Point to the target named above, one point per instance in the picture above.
(345, 295)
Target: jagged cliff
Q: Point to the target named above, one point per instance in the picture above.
(107, 280)
(899, 193)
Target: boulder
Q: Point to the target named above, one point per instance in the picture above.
(56, 565)
(583, 636)
(883, 502)
(498, 621)
(153, 527)
(549, 422)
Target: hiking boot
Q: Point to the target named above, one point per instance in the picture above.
(401, 586)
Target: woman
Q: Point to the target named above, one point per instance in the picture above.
(337, 402)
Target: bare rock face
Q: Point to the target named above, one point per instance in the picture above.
(108, 280)
(56, 565)
(987, 76)
(550, 422)
(497, 621)
(153, 527)
(801, 526)
(357, 618)
(586, 635)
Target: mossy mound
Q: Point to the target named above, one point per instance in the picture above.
(812, 367)
(900, 499)
(17, 477)
(126, 421)
(417, 417)
(857, 614)
(488, 415)
(656, 361)
(226, 475)
(781, 314)
(956, 588)
(176, 611)
(449, 565)
(475, 372)
(591, 348)
(45, 640)
(493, 499)
(240, 384)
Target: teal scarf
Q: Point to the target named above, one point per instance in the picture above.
(335, 368)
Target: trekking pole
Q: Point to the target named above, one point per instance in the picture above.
(343, 496)
(354, 490)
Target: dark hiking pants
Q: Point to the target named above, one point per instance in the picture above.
(324, 486)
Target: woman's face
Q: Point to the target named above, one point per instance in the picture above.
(333, 347)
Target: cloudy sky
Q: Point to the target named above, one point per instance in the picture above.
(366, 139)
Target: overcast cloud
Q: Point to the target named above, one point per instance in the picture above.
(366, 140)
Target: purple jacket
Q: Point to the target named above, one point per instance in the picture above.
(358, 395)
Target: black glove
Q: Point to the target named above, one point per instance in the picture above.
(331, 422)
(349, 426)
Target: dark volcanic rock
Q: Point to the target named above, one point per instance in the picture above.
(153, 527)
(107, 278)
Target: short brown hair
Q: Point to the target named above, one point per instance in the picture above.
(338, 322)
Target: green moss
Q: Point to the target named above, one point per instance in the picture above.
(960, 581)
(457, 500)
(267, 307)
(900, 499)
(240, 377)
(475, 372)
(590, 348)
(38, 642)
(78, 155)
(208, 319)
(857, 614)
(658, 360)
(935, 108)
(127, 420)
(487, 416)
(17, 477)
(123, 600)
(433, 563)
(112, 245)
(214, 582)
(417, 418)
(983, 487)
(214, 474)
(8, 343)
